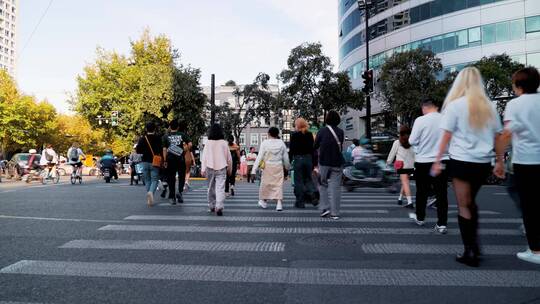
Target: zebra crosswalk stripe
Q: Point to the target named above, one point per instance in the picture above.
(280, 275)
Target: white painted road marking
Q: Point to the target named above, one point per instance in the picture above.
(295, 230)
(176, 245)
(395, 248)
(281, 275)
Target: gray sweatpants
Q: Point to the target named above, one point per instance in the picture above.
(216, 187)
(330, 188)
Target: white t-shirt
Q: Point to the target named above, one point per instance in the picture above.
(398, 152)
(426, 136)
(43, 161)
(79, 154)
(469, 144)
(523, 119)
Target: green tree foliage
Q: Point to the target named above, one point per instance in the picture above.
(497, 72)
(253, 103)
(75, 128)
(407, 78)
(311, 87)
(230, 83)
(148, 85)
(24, 122)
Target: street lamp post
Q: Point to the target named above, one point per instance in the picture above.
(365, 5)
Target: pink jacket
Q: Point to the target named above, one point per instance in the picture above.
(216, 155)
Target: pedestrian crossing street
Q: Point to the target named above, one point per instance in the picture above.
(371, 230)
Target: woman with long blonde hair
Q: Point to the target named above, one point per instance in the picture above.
(301, 152)
(470, 123)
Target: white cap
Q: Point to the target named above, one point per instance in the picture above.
(32, 151)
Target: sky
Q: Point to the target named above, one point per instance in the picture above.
(234, 39)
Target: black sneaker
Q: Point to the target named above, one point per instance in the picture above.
(164, 193)
(400, 202)
(232, 191)
(179, 198)
(212, 210)
(172, 201)
(325, 213)
(219, 212)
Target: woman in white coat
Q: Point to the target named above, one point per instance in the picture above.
(272, 160)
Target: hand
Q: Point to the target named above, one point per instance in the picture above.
(316, 170)
(203, 173)
(499, 170)
(436, 169)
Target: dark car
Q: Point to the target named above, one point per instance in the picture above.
(18, 165)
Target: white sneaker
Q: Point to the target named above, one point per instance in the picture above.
(412, 216)
(529, 256)
(263, 204)
(431, 202)
(279, 206)
(159, 185)
(441, 229)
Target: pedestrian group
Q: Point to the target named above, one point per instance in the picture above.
(458, 142)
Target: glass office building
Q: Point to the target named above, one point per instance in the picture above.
(458, 31)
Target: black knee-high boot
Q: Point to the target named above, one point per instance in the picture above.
(470, 254)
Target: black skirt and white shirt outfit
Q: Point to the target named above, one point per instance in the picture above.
(471, 150)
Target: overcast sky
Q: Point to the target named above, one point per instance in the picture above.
(235, 39)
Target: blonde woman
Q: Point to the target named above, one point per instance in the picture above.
(301, 151)
(470, 124)
(273, 153)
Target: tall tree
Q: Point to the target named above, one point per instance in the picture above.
(497, 72)
(406, 79)
(310, 86)
(148, 85)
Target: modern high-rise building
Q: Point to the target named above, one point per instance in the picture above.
(460, 32)
(8, 35)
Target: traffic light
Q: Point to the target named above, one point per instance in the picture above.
(368, 81)
(114, 118)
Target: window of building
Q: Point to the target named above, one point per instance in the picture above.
(489, 33)
(254, 139)
(532, 24)
(450, 42)
(517, 29)
(503, 31)
(286, 137)
(475, 35)
(242, 139)
(264, 137)
(437, 44)
(462, 38)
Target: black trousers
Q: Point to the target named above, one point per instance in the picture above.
(426, 184)
(231, 179)
(527, 182)
(304, 188)
(175, 165)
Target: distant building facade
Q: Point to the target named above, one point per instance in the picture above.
(460, 32)
(8, 35)
(256, 132)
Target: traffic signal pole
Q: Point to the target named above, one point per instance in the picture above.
(365, 5)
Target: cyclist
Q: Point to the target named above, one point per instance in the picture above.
(75, 157)
(49, 160)
(109, 161)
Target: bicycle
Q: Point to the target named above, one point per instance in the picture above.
(46, 176)
(76, 174)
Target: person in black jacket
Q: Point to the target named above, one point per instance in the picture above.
(329, 141)
(301, 151)
(150, 146)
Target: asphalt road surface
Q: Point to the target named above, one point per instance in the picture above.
(99, 243)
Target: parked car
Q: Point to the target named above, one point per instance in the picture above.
(18, 165)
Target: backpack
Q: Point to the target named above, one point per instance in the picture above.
(48, 157)
(74, 155)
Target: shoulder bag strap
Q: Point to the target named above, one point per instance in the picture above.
(335, 136)
(149, 145)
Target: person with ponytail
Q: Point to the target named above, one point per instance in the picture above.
(470, 126)
(301, 151)
(402, 155)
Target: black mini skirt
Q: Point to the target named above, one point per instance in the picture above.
(469, 171)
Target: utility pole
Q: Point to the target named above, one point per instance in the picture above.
(365, 5)
(213, 100)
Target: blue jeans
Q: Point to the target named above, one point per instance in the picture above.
(151, 176)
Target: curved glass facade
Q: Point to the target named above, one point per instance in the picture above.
(400, 20)
(482, 35)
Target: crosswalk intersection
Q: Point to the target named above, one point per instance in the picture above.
(373, 244)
